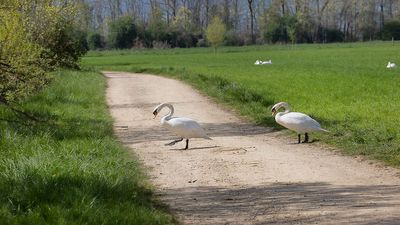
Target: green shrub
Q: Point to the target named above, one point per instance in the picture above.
(20, 58)
(96, 41)
(333, 35)
(233, 39)
(122, 33)
(35, 37)
(391, 30)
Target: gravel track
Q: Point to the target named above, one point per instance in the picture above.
(247, 174)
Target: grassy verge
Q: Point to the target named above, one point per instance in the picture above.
(344, 86)
(68, 168)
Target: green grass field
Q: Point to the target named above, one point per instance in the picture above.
(68, 168)
(344, 86)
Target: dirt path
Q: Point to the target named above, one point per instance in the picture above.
(247, 174)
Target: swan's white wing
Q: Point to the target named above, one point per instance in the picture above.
(299, 122)
(186, 128)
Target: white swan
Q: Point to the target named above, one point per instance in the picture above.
(391, 65)
(259, 62)
(266, 62)
(185, 128)
(299, 122)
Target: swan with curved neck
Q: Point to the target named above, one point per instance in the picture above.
(185, 128)
(299, 122)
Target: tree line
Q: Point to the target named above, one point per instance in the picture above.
(183, 23)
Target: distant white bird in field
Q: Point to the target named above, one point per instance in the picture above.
(259, 62)
(391, 65)
(185, 128)
(267, 62)
(299, 122)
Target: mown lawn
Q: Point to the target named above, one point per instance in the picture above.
(67, 167)
(344, 86)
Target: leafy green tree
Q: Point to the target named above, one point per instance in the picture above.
(65, 45)
(157, 28)
(216, 32)
(53, 25)
(122, 33)
(182, 32)
(35, 37)
(20, 74)
(182, 21)
(291, 29)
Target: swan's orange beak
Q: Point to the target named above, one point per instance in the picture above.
(273, 111)
(155, 114)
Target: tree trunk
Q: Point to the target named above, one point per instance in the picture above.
(207, 12)
(390, 8)
(382, 15)
(235, 14)
(226, 18)
(250, 4)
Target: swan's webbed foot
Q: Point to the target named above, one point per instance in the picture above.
(305, 138)
(174, 142)
(187, 144)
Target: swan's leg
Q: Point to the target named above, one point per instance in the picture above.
(298, 139)
(187, 144)
(305, 138)
(174, 142)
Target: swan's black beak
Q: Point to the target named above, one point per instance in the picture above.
(155, 114)
(273, 111)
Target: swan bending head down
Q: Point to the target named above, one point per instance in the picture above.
(299, 122)
(185, 128)
(279, 105)
(158, 108)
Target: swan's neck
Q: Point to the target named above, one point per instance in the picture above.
(287, 110)
(171, 112)
(279, 114)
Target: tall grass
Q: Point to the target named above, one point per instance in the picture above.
(345, 86)
(67, 167)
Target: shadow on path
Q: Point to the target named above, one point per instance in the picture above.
(134, 135)
(293, 203)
